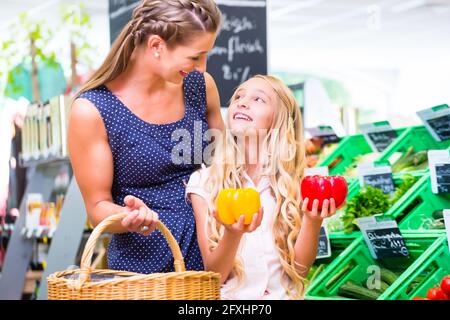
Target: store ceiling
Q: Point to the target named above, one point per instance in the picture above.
(362, 33)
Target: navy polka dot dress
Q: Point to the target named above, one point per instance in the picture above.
(143, 167)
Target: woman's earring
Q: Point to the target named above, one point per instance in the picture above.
(156, 55)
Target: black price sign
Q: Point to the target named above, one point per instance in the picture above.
(240, 50)
(379, 135)
(324, 133)
(387, 243)
(443, 177)
(383, 237)
(441, 126)
(437, 121)
(323, 249)
(382, 140)
(378, 177)
(383, 181)
(439, 162)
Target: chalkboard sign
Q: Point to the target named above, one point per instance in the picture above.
(387, 243)
(240, 50)
(382, 140)
(376, 176)
(443, 177)
(120, 12)
(437, 121)
(383, 237)
(379, 135)
(447, 225)
(441, 126)
(323, 249)
(439, 163)
(325, 133)
(382, 181)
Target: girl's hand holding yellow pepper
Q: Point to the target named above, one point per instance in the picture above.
(239, 210)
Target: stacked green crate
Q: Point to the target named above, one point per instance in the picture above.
(420, 208)
(351, 148)
(337, 245)
(335, 223)
(349, 152)
(426, 272)
(356, 265)
(413, 143)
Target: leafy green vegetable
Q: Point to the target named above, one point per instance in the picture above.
(407, 182)
(411, 161)
(371, 201)
(368, 202)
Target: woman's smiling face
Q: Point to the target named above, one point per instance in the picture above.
(252, 107)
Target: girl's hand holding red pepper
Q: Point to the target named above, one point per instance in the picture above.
(322, 195)
(328, 209)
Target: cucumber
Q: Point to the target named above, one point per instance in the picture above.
(352, 290)
(338, 274)
(388, 276)
(318, 270)
(383, 287)
(438, 214)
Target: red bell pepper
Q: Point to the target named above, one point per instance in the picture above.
(324, 187)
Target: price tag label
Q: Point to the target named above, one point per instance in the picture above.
(325, 133)
(378, 177)
(437, 121)
(379, 135)
(383, 237)
(34, 209)
(324, 248)
(439, 163)
(447, 225)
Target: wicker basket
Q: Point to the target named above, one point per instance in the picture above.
(88, 284)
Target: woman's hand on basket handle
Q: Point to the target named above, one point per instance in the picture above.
(140, 218)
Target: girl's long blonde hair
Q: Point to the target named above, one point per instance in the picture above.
(175, 21)
(284, 164)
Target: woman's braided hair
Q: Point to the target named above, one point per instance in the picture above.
(175, 21)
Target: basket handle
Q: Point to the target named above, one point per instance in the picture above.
(102, 226)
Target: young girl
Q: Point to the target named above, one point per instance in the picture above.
(262, 149)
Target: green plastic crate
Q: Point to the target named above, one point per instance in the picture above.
(414, 211)
(354, 190)
(348, 149)
(357, 261)
(417, 137)
(338, 245)
(425, 273)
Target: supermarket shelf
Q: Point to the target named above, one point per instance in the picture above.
(43, 161)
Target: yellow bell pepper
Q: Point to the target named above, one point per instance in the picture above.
(232, 203)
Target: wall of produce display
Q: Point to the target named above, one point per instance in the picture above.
(420, 208)
(368, 201)
(408, 153)
(354, 274)
(44, 133)
(317, 151)
(350, 271)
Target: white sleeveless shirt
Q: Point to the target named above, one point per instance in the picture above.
(257, 250)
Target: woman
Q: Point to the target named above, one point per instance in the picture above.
(121, 128)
